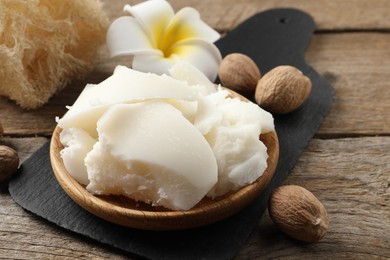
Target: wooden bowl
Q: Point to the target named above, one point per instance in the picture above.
(127, 212)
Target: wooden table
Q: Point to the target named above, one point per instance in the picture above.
(346, 165)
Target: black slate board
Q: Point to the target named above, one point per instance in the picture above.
(271, 38)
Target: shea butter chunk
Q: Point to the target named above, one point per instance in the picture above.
(77, 144)
(125, 86)
(186, 72)
(232, 128)
(148, 151)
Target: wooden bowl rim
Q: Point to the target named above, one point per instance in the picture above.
(202, 214)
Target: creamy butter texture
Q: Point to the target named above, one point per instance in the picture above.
(165, 140)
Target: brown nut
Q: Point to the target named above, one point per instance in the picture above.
(282, 90)
(9, 162)
(239, 73)
(1, 129)
(298, 213)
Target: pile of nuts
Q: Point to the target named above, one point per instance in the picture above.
(9, 161)
(295, 210)
(280, 91)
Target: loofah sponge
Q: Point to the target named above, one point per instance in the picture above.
(46, 43)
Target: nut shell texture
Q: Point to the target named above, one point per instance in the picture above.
(298, 213)
(9, 162)
(282, 90)
(239, 73)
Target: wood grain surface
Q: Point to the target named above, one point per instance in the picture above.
(346, 165)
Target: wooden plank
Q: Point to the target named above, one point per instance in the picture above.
(350, 176)
(329, 15)
(24, 236)
(25, 147)
(356, 64)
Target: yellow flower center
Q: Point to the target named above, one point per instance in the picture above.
(173, 35)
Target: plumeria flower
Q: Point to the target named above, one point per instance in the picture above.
(158, 38)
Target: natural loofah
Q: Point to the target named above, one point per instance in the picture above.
(46, 43)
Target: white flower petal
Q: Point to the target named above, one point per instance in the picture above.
(203, 55)
(125, 36)
(153, 63)
(187, 72)
(187, 24)
(154, 16)
(183, 36)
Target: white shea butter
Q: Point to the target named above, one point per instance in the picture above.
(164, 159)
(165, 140)
(188, 73)
(126, 86)
(232, 128)
(78, 144)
